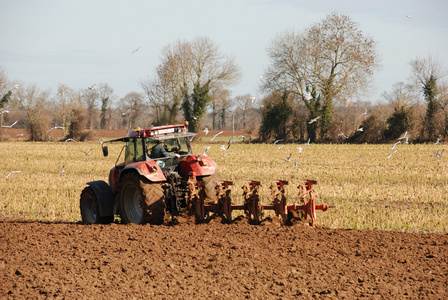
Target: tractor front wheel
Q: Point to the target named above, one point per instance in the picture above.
(140, 201)
(90, 211)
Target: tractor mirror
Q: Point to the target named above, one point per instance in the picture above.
(105, 151)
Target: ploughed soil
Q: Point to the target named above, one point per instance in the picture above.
(69, 260)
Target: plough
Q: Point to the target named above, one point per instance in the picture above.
(252, 206)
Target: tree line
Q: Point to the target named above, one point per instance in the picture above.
(308, 89)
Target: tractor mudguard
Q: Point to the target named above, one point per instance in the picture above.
(197, 165)
(148, 169)
(105, 197)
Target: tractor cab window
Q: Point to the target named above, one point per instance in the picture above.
(134, 151)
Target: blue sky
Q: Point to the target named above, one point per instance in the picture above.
(80, 43)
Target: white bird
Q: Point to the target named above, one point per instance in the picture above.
(307, 96)
(252, 99)
(439, 155)
(87, 153)
(406, 141)
(404, 135)
(280, 147)
(62, 170)
(223, 148)
(56, 127)
(12, 172)
(341, 134)
(307, 143)
(216, 135)
(4, 111)
(242, 137)
(9, 126)
(300, 149)
(314, 120)
(295, 164)
(135, 50)
(206, 150)
(92, 87)
(438, 141)
(206, 130)
(365, 112)
(194, 117)
(16, 86)
(69, 140)
(288, 158)
(229, 143)
(392, 153)
(229, 153)
(277, 141)
(360, 129)
(393, 146)
(409, 17)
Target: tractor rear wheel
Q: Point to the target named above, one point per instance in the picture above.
(209, 186)
(90, 211)
(140, 201)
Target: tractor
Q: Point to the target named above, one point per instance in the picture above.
(143, 188)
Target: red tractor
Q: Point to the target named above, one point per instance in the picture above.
(143, 187)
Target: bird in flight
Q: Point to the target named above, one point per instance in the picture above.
(206, 150)
(216, 135)
(87, 153)
(70, 140)
(409, 17)
(438, 141)
(10, 126)
(392, 153)
(439, 155)
(307, 143)
(365, 112)
(12, 172)
(295, 165)
(56, 127)
(396, 144)
(314, 120)
(404, 135)
(277, 141)
(229, 153)
(341, 134)
(135, 50)
(300, 149)
(288, 158)
(61, 170)
(360, 129)
(206, 130)
(92, 87)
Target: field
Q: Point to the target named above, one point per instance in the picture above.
(386, 234)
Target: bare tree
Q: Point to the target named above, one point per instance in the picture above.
(33, 102)
(64, 101)
(243, 105)
(90, 98)
(133, 106)
(192, 70)
(330, 61)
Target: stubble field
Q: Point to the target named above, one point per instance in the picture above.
(386, 234)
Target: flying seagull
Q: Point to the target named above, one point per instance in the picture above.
(135, 50)
(61, 170)
(314, 120)
(404, 135)
(10, 126)
(365, 112)
(360, 129)
(438, 140)
(229, 153)
(277, 141)
(69, 140)
(206, 130)
(12, 172)
(216, 135)
(87, 153)
(295, 164)
(307, 143)
(341, 134)
(392, 153)
(206, 150)
(300, 149)
(395, 144)
(242, 137)
(92, 87)
(289, 157)
(56, 127)
(439, 155)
